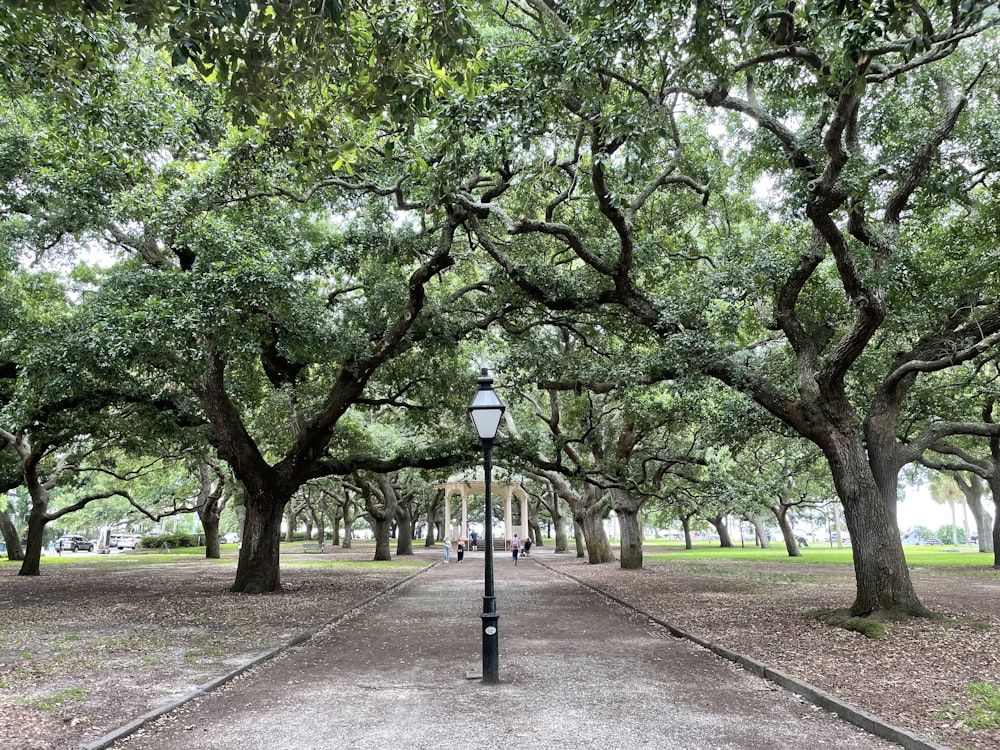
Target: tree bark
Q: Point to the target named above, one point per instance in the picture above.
(259, 569)
(383, 538)
(559, 520)
(38, 515)
(578, 536)
(719, 522)
(594, 509)
(883, 580)
(432, 508)
(780, 512)
(14, 549)
(349, 516)
(627, 510)
(382, 517)
(760, 533)
(335, 518)
(31, 564)
(210, 522)
(211, 502)
(404, 526)
(994, 483)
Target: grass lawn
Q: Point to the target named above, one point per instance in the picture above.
(654, 550)
(916, 557)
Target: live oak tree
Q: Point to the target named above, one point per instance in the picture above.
(814, 300)
(291, 330)
(259, 291)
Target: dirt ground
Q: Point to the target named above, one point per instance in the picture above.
(88, 647)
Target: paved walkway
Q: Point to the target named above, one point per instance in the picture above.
(576, 670)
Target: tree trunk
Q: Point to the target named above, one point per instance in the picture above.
(259, 570)
(719, 522)
(579, 536)
(383, 539)
(534, 529)
(984, 530)
(335, 530)
(37, 519)
(382, 518)
(212, 499)
(559, 520)
(627, 510)
(210, 522)
(595, 506)
(348, 526)
(14, 549)
(535, 532)
(686, 523)
(759, 531)
(290, 524)
(31, 564)
(994, 482)
(996, 532)
(973, 492)
(883, 580)
(432, 509)
(787, 533)
(404, 530)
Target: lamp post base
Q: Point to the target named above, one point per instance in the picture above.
(491, 648)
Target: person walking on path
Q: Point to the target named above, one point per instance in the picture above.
(447, 549)
(475, 540)
(461, 550)
(515, 547)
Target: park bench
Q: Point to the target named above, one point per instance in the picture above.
(312, 546)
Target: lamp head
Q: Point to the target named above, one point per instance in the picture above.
(486, 409)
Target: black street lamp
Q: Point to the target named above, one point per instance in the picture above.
(486, 411)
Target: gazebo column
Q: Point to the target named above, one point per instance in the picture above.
(508, 519)
(525, 530)
(465, 515)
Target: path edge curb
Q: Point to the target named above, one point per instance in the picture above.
(107, 740)
(851, 714)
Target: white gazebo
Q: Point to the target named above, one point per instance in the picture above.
(466, 488)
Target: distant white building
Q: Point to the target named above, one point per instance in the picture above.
(911, 538)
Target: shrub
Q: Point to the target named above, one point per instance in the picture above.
(156, 541)
(944, 534)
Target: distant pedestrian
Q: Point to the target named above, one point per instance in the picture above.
(447, 549)
(461, 550)
(475, 540)
(527, 546)
(515, 547)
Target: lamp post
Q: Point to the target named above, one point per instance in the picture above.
(486, 411)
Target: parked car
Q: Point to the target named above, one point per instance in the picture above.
(128, 541)
(932, 540)
(73, 543)
(231, 538)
